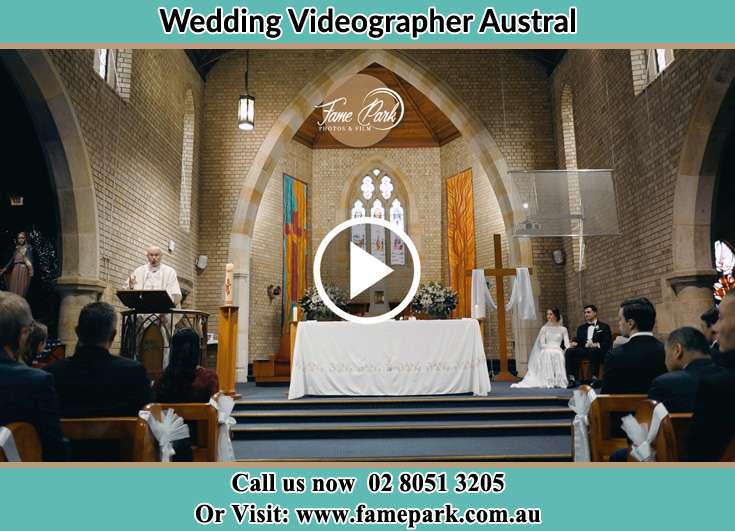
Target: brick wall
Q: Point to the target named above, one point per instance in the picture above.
(135, 152)
(640, 137)
(267, 251)
(507, 90)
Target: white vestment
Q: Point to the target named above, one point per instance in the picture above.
(157, 278)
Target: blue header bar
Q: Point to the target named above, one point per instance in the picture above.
(381, 22)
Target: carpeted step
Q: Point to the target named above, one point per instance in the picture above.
(471, 447)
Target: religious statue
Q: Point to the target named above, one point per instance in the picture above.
(18, 271)
(156, 276)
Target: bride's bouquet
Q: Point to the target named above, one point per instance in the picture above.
(434, 300)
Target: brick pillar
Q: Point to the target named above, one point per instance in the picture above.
(75, 292)
(687, 294)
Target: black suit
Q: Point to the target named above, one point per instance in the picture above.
(630, 368)
(573, 356)
(94, 383)
(28, 395)
(678, 389)
(713, 426)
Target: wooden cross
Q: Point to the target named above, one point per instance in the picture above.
(499, 272)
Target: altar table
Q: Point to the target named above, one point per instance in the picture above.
(393, 358)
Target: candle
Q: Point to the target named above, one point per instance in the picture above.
(477, 311)
(229, 271)
(294, 313)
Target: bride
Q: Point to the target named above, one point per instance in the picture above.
(546, 362)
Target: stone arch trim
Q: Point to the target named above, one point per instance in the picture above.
(61, 138)
(698, 167)
(480, 144)
(479, 140)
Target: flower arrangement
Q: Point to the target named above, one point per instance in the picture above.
(315, 309)
(434, 300)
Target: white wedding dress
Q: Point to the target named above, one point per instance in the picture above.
(546, 362)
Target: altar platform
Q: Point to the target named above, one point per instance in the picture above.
(507, 425)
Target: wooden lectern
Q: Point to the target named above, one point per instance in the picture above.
(149, 324)
(227, 350)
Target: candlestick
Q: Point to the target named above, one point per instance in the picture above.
(229, 271)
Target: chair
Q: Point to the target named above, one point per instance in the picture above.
(202, 420)
(130, 437)
(604, 416)
(665, 443)
(26, 442)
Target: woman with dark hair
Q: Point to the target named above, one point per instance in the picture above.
(36, 342)
(546, 366)
(184, 380)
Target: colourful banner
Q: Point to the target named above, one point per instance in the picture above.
(295, 244)
(460, 237)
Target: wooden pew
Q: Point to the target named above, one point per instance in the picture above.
(130, 434)
(665, 443)
(26, 442)
(201, 418)
(729, 455)
(602, 429)
(681, 423)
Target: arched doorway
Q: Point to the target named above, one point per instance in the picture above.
(480, 143)
(688, 289)
(59, 137)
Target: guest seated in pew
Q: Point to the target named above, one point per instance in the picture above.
(36, 342)
(631, 367)
(709, 318)
(26, 394)
(185, 381)
(713, 425)
(93, 382)
(688, 361)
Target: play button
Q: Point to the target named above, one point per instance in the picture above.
(366, 270)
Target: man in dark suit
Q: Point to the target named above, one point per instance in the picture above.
(630, 368)
(93, 382)
(713, 426)
(688, 361)
(592, 342)
(26, 395)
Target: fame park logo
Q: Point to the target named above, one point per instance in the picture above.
(360, 111)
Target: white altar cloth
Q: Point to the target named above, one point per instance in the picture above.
(394, 358)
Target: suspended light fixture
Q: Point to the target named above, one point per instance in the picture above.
(246, 107)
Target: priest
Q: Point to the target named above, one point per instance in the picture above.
(156, 276)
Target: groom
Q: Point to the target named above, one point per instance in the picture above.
(592, 342)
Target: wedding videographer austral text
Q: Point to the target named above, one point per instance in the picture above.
(308, 21)
(384, 489)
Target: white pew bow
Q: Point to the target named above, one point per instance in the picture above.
(224, 406)
(642, 435)
(581, 403)
(171, 428)
(7, 443)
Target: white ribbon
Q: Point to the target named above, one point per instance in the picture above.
(224, 406)
(581, 403)
(521, 296)
(7, 443)
(171, 428)
(642, 436)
